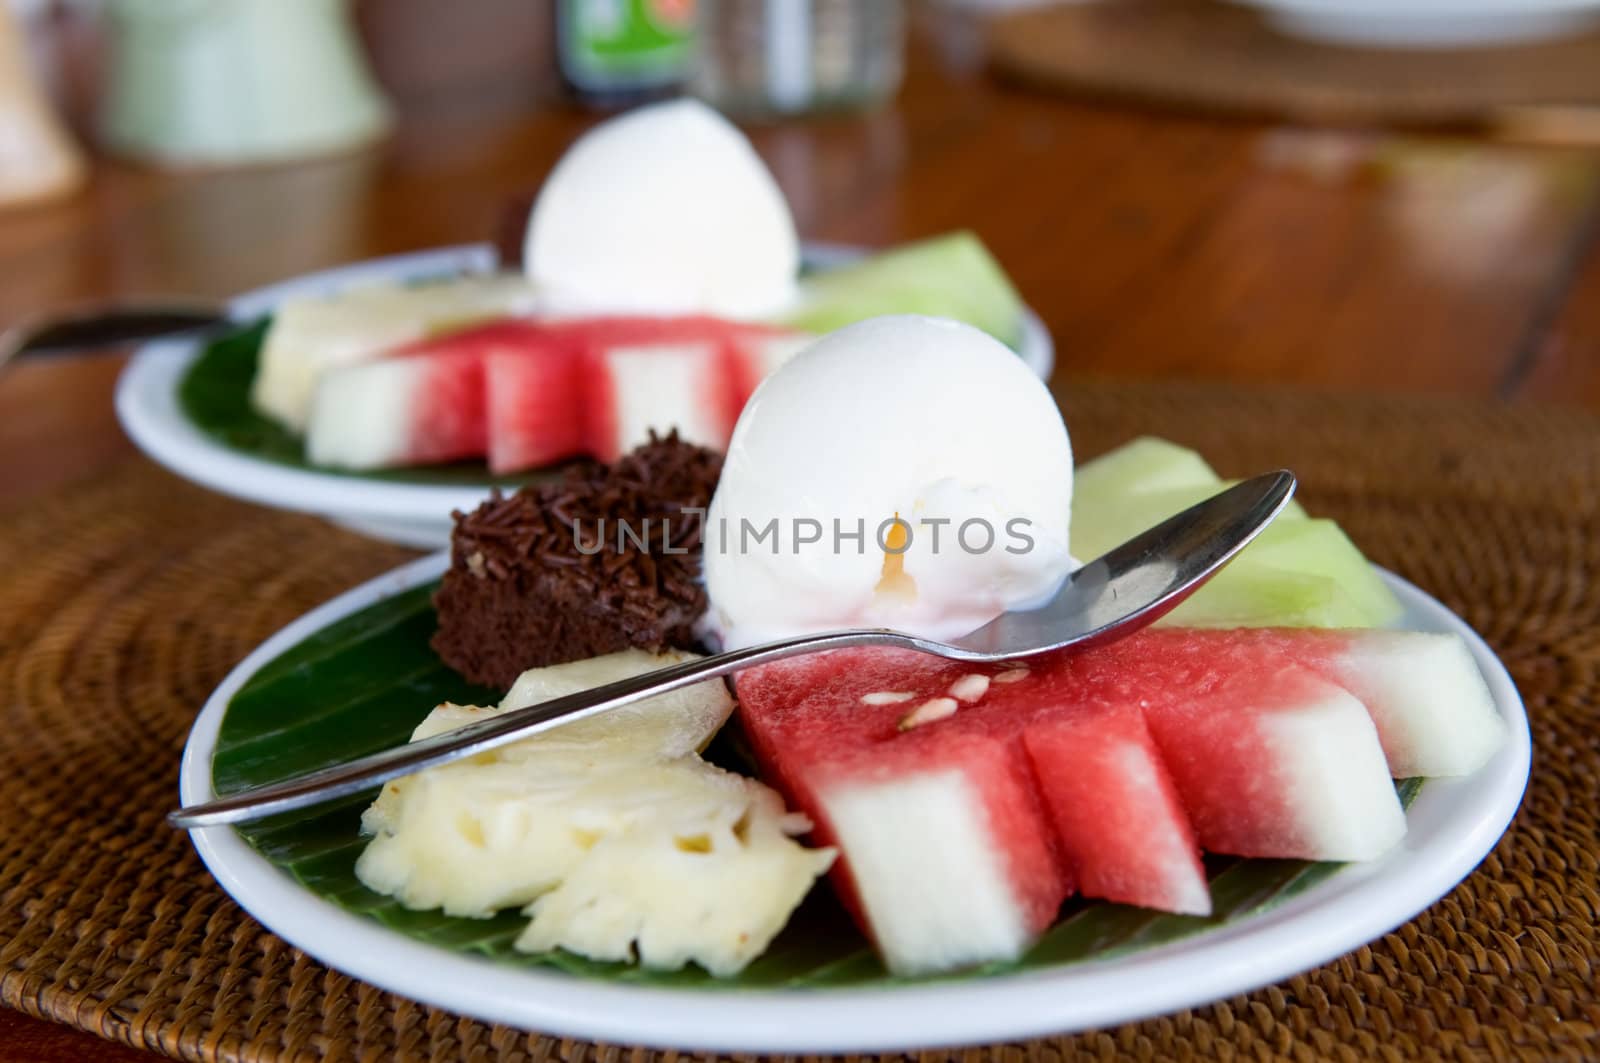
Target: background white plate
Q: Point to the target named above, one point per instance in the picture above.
(1453, 823)
(413, 514)
(1428, 23)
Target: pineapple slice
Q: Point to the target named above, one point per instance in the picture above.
(615, 836)
(711, 878)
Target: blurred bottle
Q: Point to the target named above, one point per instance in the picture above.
(617, 52)
(781, 57)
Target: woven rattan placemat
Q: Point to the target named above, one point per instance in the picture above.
(124, 601)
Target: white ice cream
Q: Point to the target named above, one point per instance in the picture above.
(663, 210)
(927, 418)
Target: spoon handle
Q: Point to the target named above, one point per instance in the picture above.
(342, 780)
(107, 325)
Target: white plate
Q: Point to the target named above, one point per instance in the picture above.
(1453, 823)
(413, 514)
(1428, 23)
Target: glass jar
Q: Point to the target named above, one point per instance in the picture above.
(781, 57)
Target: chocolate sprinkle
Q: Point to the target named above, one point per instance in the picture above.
(520, 593)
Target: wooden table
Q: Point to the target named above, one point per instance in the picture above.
(1150, 244)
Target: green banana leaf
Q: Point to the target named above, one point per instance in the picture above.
(364, 682)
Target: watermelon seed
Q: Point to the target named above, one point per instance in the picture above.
(886, 697)
(1011, 675)
(970, 688)
(928, 711)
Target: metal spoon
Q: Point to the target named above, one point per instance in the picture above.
(1115, 595)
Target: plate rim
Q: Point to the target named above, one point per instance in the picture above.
(1432, 25)
(1327, 921)
(414, 514)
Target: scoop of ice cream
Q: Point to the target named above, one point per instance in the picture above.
(921, 419)
(663, 210)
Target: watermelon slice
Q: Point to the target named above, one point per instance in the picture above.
(526, 394)
(408, 410)
(431, 401)
(1433, 713)
(688, 373)
(1116, 810)
(1277, 762)
(635, 389)
(951, 855)
(1270, 758)
(1249, 742)
(532, 395)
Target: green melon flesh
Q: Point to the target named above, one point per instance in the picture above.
(947, 276)
(1266, 596)
(1145, 464)
(1321, 548)
(1299, 573)
(1099, 523)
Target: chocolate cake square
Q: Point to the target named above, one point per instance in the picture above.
(599, 560)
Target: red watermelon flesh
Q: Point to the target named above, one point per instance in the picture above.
(1254, 749)
(1116, 812)
(535, 416)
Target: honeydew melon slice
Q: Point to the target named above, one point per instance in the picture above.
(1148, 463)
(1267, 596)
(1321, 548)
(1099, 526)
(1300, 572)
(951, 276)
